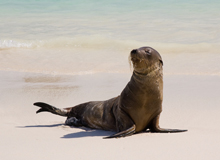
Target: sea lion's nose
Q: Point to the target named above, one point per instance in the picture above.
(134, 51)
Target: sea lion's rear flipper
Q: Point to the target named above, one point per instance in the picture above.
(48, 108)
(73, 121)
(154, 127)
(125, 133)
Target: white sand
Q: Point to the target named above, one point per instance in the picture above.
(190, 102)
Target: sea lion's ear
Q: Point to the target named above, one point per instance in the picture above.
(161, 62)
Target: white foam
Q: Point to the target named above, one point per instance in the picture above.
(15, 44)
(99, 42)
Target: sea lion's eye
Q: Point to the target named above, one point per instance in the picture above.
(161, 62)
(148, 52)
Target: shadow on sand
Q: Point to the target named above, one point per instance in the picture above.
(87, 132)
(40, 126)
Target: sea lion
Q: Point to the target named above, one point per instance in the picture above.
(136, 109)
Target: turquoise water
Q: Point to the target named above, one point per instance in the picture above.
(90, 36)
(36, 23)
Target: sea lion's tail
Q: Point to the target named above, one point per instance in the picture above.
(48, 108)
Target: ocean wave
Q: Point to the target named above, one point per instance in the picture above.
(15, 44)
(97, 42)
(77, 42)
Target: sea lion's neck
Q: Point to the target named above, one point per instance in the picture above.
(151, 83)
(143, 78)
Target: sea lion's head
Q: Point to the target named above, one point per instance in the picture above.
(145, 60)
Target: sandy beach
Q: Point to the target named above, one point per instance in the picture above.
(190, 102)
(69, 52)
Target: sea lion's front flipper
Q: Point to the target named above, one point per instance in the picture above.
(163, 130)
(154, 127)
(125, 133)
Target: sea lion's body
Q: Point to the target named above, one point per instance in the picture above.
(95, 114)
(136, 109)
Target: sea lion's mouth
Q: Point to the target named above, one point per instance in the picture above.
(136, 59)
(133, 59)
(135, 56)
